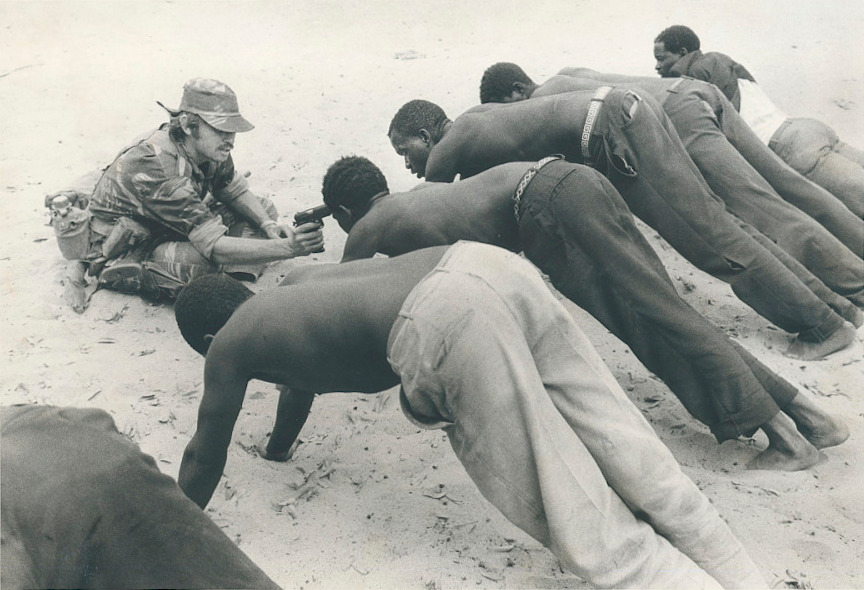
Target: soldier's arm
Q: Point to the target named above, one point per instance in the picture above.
(248, 205)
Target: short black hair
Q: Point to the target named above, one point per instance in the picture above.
(416, 115)
(351, 181)
(498, 79)
(678, 37)
(205, 305)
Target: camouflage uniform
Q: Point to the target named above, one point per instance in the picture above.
(179, 209)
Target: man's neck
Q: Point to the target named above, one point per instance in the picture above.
(200, 165)
(192, 154)
(447, 125)
(360, 213)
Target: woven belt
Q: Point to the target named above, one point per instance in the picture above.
(593, 110)
(526, 180)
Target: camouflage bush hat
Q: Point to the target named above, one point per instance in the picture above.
(214, 102)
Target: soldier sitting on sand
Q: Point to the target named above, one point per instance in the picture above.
(171, 207)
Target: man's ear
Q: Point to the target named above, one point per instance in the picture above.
(426, 137)
(184, 124)
(683, 51)
(519, 87)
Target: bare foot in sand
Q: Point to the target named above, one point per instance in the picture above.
(787, 450)
(819, 427)
(822, 438)
(857, 318)
(781, 460)
(813, 351)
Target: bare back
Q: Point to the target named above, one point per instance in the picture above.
(479, 209)
(326, 330)
(521, 131)
(583, 78)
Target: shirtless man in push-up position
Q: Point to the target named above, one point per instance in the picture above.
(803, 219)
(476, 340)
(576, 228)
(641, 154)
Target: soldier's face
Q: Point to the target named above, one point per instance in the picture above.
(209, 144)
(415, 150)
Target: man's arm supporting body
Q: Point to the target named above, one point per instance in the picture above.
(205, 456)
(331, 335)
(291, 415)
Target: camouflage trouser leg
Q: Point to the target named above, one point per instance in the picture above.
(173, 265)
(163, 272)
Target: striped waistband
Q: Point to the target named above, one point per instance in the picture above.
(591, 118)
(526, 180)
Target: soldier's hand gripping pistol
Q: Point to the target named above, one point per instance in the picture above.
(313, 215)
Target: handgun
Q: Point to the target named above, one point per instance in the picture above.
(313, 215)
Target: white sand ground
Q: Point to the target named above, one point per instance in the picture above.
(321, 80)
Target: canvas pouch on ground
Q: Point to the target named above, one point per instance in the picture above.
(71, 228)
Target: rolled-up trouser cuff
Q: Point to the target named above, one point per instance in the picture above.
(823, 331)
